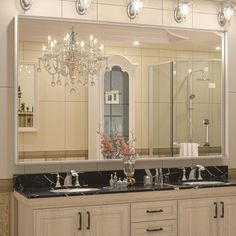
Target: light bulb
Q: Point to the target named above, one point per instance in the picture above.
(82, 44)
(85, 3)
(137, 5)
(228, 12)
(136, 43)
(184, 9)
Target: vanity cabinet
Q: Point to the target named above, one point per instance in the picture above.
(157, 218)
(105, 220)
(60, 222)
(207, 216)
(190, 212)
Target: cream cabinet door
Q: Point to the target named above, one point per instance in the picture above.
(107, 220)
(58, 222)
(227, 216)
(198, 217)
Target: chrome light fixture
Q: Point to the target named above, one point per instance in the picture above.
(26, 4)
(134, 7)
(78, 62)
(82, 6)
(225, 13)
(182, 10)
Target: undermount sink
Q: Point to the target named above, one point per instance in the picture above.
(74, 190)
(204, 183)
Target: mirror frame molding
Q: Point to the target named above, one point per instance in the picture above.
(224, 113)
(35, 126)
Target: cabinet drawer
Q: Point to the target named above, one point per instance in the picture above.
(151, 211)
(155, 228)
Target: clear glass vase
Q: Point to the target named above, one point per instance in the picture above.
(108, 156)
(129, 169)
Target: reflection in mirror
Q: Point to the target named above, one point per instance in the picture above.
(27, 97)
(167, 89)
(187, 115)
(116, 105)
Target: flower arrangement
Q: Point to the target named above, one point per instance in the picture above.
(126, 148)
(106, 146)
(117, 146)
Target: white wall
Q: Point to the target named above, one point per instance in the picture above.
(155, 12)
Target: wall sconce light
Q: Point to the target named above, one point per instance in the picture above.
(82, 6)
(26, 4)
(225, 13)
(134, 7)
(182, 10)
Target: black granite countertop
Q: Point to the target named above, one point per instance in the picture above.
(45, 193)
(39, 185)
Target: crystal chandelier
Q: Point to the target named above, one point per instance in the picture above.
(75, 61)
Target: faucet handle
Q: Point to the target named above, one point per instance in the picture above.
(184, 178)
(74, 173)
(58, 184)
(200, 173)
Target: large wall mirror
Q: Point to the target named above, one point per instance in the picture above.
(163, 85)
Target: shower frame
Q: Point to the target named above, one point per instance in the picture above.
(151, 94)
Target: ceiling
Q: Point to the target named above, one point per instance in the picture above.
(37, 30)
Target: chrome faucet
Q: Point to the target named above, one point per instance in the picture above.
(193, 172)
(68, 179)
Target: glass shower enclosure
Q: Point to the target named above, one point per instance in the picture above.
(185, 106)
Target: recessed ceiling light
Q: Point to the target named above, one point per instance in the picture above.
(218, 48)
(136, 43)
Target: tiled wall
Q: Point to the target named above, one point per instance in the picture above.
(155, 12)
(4, 214)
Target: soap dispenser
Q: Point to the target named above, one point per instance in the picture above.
(111, 181)
(119, 184)
(115, 180)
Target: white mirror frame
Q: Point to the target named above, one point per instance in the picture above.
(225, 109)
(36, 100)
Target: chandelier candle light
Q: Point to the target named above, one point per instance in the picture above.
(78, 62)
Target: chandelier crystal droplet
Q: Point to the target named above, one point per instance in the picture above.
(75, 61)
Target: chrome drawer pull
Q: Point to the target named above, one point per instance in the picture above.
(154, 211)
(154, 230)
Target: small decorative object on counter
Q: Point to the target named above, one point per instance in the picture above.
(156, 177)
(111, 181)
(129, 169)
(115, 180)
(119, 184)
(126, 150)
(147, 180)
(161, 180)
(125, 183)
